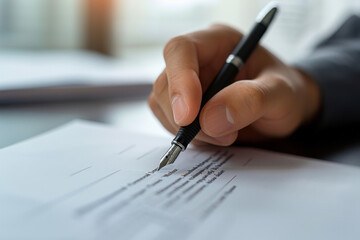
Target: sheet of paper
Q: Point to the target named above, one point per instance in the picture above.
(88, 181)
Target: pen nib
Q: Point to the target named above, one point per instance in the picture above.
(170, 156)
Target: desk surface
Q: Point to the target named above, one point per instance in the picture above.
(19, 122)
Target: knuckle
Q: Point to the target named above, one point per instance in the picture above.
(151, 101)
(174, 44)
(153, 105)
(256, 99)
(232, 34)
(160, 84)
(283, 83)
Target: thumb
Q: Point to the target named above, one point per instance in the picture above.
(234, 108)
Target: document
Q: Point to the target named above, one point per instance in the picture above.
(89, 181)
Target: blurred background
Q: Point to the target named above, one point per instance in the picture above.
(97, 59)
(122, 28)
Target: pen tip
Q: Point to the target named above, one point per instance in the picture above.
(170, 156)
(162, 164)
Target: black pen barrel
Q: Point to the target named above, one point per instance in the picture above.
(247, 45)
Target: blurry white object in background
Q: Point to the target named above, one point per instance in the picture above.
(60, 75)
(2, 17)
(300, 24)
(149, 24)
(39, 24)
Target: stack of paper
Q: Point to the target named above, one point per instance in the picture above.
(58, 75)
(87, 181)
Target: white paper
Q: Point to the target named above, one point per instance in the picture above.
(88, 181)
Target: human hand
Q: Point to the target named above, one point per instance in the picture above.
(271, 100)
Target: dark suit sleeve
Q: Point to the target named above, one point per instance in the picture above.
(335, 66)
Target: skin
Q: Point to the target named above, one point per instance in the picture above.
(267, 99)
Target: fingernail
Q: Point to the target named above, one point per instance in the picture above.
(179, 107)
(218, 120)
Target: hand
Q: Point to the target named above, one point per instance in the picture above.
(267, 99)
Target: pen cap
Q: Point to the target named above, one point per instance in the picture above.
(268, 13)
(263, 21)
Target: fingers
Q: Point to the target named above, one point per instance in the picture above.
(233, 108)
(193, 60)
(261, 102)
(201, 136)
(158, 112)
(184, 88)
(187, 58)
(225, 140)
(160, 98)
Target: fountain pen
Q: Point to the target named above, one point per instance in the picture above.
(224, 78)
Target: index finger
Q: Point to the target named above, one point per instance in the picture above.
(182, 70)
(184, 58)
